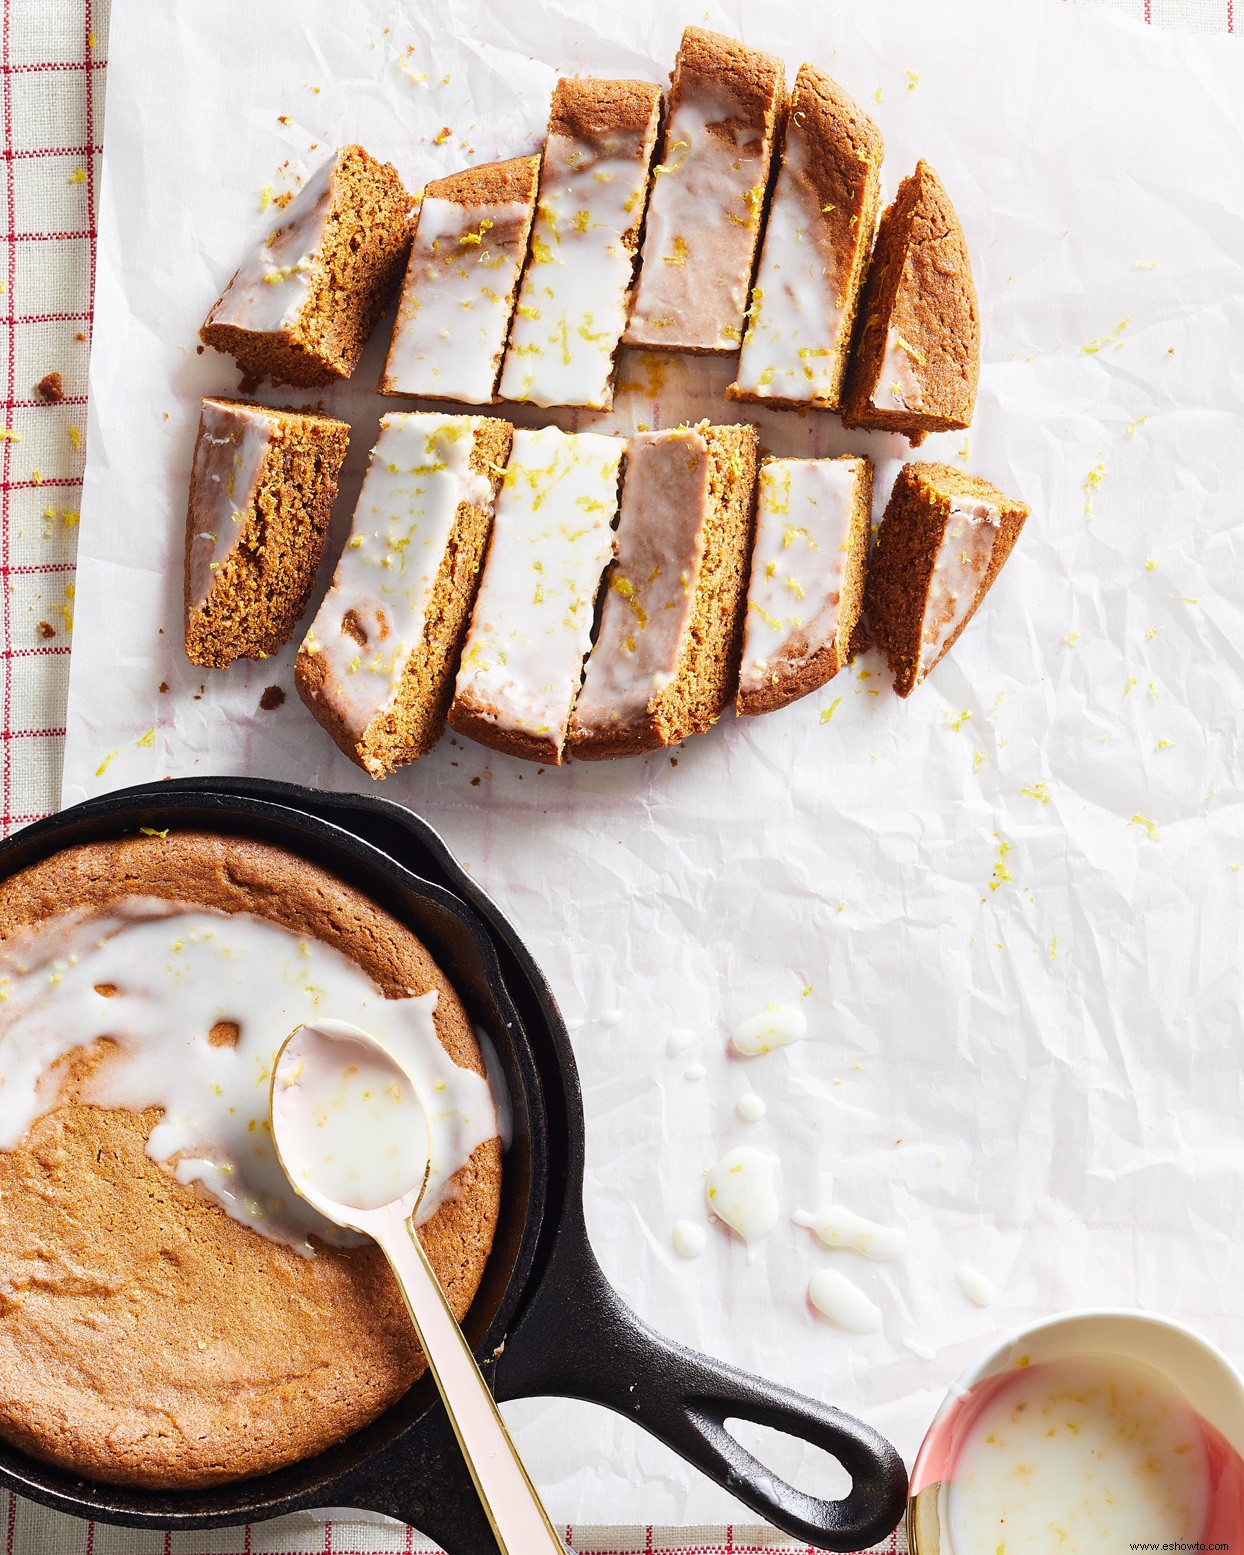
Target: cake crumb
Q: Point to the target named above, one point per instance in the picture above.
(80, 335)
(163, 687)
(50, 389)
(446, 132)
(272, 697)
(46, 629)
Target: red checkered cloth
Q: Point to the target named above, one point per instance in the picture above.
(52, 60)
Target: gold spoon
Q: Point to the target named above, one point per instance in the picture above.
(352, 1134)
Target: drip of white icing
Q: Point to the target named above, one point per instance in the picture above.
(777, 1025)
(923, 1351)
(532, 624)
(456, 300)
(703, 215)
(835, 1297)
(573, 300)
(157, 979)
(680, 1039)
(804, 510)
(741, 1189)
(228, 460)
(689, 1239)
(347, 1118)
(419, 474)
(273, 283)
(837, 1226)
(898, 386)
(976, 1286)
(750, 1107)
(796, 323)
(961, 563)
(611, 1018)
(695, 1071)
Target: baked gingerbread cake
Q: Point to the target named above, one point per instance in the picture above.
(665, 662)
(807, 577)
(458, 295)
(377, 666)
(147, 1337)
(708, 196)
(262, 489)
(917, 361)
(301, 307)
(941, 544)
(815, 251)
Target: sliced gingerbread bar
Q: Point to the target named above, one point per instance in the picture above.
(708, 195)
(815, 252)
(458, 295)
(300, 308)
(942, 542)
(916, 365)
(261, 495)
(532, 623)
(665, 663)
(576, 287)
(807, 577)
(377, 666)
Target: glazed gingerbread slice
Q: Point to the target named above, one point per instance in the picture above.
(301, 306)
(942, 542)
(917, 362)
(816, 243)
(461, 283)
(807, 577)
(378, 664)
(665, 662)
(708, 195)
(261, 494)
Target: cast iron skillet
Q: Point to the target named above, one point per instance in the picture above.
(545, 1320)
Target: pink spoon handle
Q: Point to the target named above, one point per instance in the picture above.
(518, 1518)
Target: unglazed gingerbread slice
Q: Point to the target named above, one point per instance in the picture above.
(708, 196)
(816, 244)
(261, 494)
(532, 623)
(378, 664)
(942, 542)
(576, 288)
(458, 295)
(916, 366)
(300, 308)
(665, 662)
(807, 577)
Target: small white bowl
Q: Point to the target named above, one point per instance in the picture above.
(1210, 1383)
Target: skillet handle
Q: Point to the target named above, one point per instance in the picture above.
(578, 1339)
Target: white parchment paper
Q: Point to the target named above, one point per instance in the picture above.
(1009, 907)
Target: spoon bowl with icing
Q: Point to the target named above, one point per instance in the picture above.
(352, 1132)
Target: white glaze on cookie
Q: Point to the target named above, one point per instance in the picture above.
(374, 614)
(572, 304)
(705, 207)
(229, 456)
(272, 284)
(531, 628)
(804, 509)
(456, 300)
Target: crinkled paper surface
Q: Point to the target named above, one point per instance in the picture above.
(1010, 907)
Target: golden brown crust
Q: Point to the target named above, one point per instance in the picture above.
(843, 168)
(755, 78)
(262, 587)
(475, 722)
(145, 1337)
(901, 568)
(417, 720)
(919, 287)
(590, 108)
(366, 242)
(493, 184)
(791, 680)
